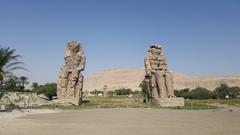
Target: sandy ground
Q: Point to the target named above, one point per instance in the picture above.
(121, 122)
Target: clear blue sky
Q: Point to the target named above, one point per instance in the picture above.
(200, 37)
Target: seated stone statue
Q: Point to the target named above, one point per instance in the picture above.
(70, 81)
(159, 80)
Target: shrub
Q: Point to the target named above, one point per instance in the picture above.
(234, 92)
(224, 90)
(144, 88)
(96, 92)
(181, 93)
(34, 86)
(110, 93)
(49, 90)
(123, 91)
(198, 93)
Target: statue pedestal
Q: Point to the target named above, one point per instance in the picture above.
(74, 102)
(169, 102)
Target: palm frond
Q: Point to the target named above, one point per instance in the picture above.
(17, 68)
(13, 64)
(9, 62)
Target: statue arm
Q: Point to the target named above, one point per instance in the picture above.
(82, 64)
(67, 53)
(165, 67)
(147, 66)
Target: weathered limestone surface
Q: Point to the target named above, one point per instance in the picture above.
(158, 79)
(70, 82)
(169, 102)
(17, 98)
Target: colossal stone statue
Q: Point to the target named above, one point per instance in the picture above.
(70, 82)
(159, 79)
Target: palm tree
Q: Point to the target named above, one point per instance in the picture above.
(23, 80)
(11, 83)
(8, 63)
(34, 86)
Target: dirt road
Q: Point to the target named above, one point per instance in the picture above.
(126, 122)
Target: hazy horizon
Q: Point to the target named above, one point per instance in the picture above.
(199, 37)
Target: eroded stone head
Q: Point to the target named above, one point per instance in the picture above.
(73, 46)
(155, 49)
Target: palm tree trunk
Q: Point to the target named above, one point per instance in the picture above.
(1, 82)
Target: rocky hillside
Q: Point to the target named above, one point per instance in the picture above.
(131, 78)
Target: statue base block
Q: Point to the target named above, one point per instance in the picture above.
(74, 102)
(169, 102)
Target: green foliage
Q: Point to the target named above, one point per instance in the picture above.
(144, 88)
(13, 83)
(2, 92)
(34, 86)
(202, 93)
(96, 92)
(196, 105)
(8, 63)
(234, 92)
(198, 93)
(23, 81)
(111, 93)
(96, 102)
(181, 93)
(122, 92)
(49, 90)
(224, 90)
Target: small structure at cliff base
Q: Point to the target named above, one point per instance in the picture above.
(159, 80)
(70, 82)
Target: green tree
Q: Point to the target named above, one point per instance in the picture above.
(123, 91)
(34, 86)
(234, 92)
(23, 81)
(224, 90)
(110, 93)
(144, 88)
(198, 93)
(49, 90)
(8, 63)
(181, 93)
(96, 92)
(11, 83)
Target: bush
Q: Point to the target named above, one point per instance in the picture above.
(234, 92)
(144, 88)
(181, 93)
(111, 93)
(123, 91)
(49, 90)
(224, 90)
(198, 93)
(96, 92)
(202, 93)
